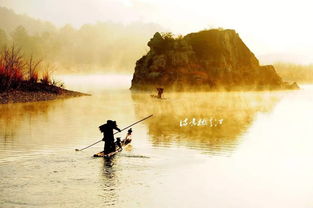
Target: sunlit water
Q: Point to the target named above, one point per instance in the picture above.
(258, 155)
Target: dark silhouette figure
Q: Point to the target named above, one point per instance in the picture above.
(119, 143)
(108, 137)
(160, 92)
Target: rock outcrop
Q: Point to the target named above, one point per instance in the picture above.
(207, 60)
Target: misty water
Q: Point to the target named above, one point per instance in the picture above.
(251, 149)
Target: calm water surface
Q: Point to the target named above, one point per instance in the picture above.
(259, 155)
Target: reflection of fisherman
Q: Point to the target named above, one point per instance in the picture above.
(160, 92)
(108, 138)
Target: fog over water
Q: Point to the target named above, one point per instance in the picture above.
(258, 156)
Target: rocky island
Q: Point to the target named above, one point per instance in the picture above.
(215, 59)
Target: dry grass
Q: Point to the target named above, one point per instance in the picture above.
(46, 78)
(11, 68)
(16, 71)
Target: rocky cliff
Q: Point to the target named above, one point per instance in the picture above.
(207, 60)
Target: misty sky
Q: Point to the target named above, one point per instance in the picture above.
(280, 29)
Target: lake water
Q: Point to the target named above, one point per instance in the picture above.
(235, 149)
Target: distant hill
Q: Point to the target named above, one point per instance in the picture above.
(101, 47)
(284, 58)
(9, 21)
(299, 73)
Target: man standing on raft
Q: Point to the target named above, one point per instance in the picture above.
(108, 137)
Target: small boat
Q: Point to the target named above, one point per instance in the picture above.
(119, 146)
(157, 97)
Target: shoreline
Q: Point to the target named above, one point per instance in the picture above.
(20, 96)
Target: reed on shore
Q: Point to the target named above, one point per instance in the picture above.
(20, 80)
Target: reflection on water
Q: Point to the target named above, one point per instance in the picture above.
(226, 116)
(260, 156)
(110, 182)
(59, 123)
(15, 117)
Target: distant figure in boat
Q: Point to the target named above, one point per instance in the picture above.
(108, 137)
(160, 92)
